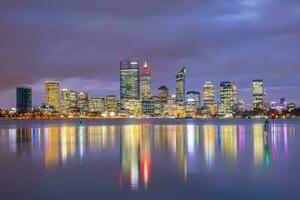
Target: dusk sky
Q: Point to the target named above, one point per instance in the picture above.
(80, 43)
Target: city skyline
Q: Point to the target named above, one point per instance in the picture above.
(154, 91)
(81, 45)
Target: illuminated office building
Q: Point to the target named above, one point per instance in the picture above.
(259, 97)
(83, 102)
(111, 104)
(129, 80)
(148, 107)
(209, 103)
(180, 86)
(97, 105)
(52, 94)
(192, 103)
(146, 89)
(68, 101)
(234, 93)
(24, 99)
(163, 94)
(226, 98)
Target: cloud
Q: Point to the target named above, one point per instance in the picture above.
(81, 41)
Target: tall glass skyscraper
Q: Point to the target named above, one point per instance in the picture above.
(68, 101)
(83, 102)
(52, 94)
(259, 97)
(163, 94)
(226, 98)
(180, 86)
(210, 105)
(208, 93)
(146, 89)
(129, 80)
(24, 99)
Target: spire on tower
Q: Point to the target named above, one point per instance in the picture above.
(145, 65)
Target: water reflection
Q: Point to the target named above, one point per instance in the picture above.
(187, 147)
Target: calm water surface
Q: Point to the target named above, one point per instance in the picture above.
(149, 159)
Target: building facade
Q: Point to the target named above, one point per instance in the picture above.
(226, 98)
(23, 99)
(192, 103)
(68, 101)
(146, 88)
(52, 94)
(258, 95)
(180, 86)
(83, 102)
(129, 80)
(97, 105)
(209, 103)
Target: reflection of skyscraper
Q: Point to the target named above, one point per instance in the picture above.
(52, 94)
(146, 89)
(135, 146)
(180, 86)
(209, 145)
(258, 144)
(130, 144)
(51, 147)
(23, 140)
(229, 142)
(129, 80)
(24, 99)
(181, 149)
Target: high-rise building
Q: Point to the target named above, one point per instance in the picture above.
(226, 98)
(111, 104)
(24, 99)
(52, 94)
(146, 89)
(193, 96)
(97, 105)
(129, 80)
(163, 93)
(192, 103)
(68, 101)
(234, 93)
(83, 102)
(180, 86)
(209, 102)
(259, 97)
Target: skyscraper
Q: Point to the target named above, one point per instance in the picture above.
(226, 98)
(259, 97)
(129, 80)
(68, 101)
(234, 93)
(193, 96)
(146, 89)
(111, 104)
(192, 103)
(52, 94)
(24, 99)
(83, 102)
(180, 86)
(97, 105)
(209, 102)
(208, 93)
(163, 93)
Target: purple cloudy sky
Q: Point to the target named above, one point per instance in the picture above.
(80, 44)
